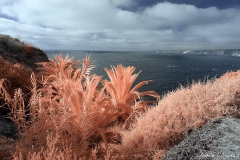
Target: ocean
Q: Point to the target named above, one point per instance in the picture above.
(167, 70)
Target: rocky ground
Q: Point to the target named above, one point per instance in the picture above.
(218, 140)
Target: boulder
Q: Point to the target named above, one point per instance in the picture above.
(7, 128)
(218, 139)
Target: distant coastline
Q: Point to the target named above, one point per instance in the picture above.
(219, 52)
(222, 52)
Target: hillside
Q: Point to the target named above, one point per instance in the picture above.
(17, 62)
(15, 51)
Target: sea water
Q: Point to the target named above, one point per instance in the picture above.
(167, 70)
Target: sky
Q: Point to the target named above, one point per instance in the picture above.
(123, 25)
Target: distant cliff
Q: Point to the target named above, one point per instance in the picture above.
(220, 52)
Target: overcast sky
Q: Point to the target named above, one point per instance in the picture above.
(123, 24)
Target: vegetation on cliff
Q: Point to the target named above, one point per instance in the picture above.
(15, 51)
(17, 62)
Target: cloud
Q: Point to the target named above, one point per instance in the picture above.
(104, 25)
(123, 3)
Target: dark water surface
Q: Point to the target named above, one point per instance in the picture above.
(167, 71)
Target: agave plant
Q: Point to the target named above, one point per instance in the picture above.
(77, 90)
(93, 108)
(60, 74)
(121, 91)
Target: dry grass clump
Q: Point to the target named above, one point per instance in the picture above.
(14, 77)
(178, 113)
(70, 115)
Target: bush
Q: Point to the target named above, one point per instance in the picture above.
(69, 113)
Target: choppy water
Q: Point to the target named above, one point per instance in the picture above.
(166, 70)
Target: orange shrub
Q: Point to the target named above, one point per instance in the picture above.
(27, 49)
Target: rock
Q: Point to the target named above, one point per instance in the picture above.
(219, 139)
(7, 128)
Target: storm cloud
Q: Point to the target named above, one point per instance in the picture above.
(112, 25)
